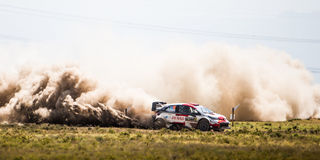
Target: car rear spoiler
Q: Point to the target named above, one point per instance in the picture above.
(156, 105)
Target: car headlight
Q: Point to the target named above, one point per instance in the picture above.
(214, 118)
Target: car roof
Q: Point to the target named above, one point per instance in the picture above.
(193, 105)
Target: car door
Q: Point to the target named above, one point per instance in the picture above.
(185, 116)
(189, 113)
(179, 116)
(192, 119)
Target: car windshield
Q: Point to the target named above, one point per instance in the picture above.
(205, 110)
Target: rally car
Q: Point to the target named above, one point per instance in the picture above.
(189, 115)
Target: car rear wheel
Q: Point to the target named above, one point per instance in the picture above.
(159, 123)
(203, 125)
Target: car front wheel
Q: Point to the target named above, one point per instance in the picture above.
(203, 125)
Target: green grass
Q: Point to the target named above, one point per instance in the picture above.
(297, 139)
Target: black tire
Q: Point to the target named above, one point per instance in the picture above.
(159, 123)
(203, 125)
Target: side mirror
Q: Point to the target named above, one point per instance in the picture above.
(194, 114)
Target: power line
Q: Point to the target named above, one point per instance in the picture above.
(52, 14)
(10, 37)
(314, 69)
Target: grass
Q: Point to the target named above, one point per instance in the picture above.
(296, 139)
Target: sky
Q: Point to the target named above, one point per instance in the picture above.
(59, 24)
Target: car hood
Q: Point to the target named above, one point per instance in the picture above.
(215, 115)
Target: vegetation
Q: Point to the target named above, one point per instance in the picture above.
(296, 139)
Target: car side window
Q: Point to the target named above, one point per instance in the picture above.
(184, 109)
(194, 111)
(171, 109)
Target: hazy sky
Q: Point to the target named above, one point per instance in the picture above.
(279, 18)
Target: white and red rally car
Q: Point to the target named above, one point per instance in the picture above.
(178, 115)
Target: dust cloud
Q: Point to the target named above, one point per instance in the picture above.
(268, 84)
(62, 95)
